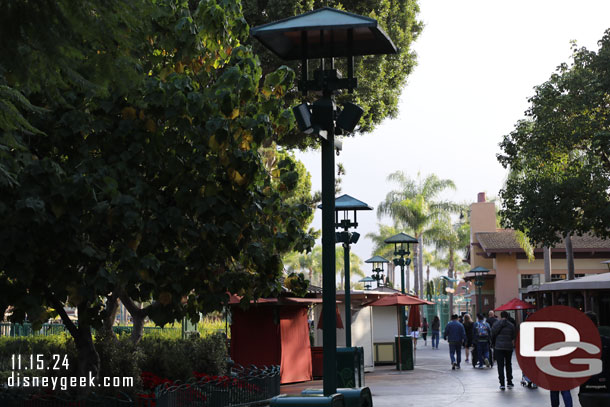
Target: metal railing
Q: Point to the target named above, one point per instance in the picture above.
(244, 387)
(25, 329)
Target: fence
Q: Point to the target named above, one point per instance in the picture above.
(244, 387)
(25, 329)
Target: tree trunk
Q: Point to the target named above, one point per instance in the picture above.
(112, 308)
(569, 255)
(546, 251)
(450, 274)
(421, 265)
(88, 358)
(416, 271)
(407, 277)
(137, 314)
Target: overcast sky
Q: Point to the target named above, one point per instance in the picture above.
(478, 62)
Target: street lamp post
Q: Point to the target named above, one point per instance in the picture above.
(322, 34)
(399, 241)
(367, 282)
(346, 204)
(479, 273)
(377, 262)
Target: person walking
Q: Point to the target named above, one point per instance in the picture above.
(436, 332)
(468, 324)
(503, 335)
(481, 337)
(565, 394)
(424, 331)
(456, 336)
(491, 318)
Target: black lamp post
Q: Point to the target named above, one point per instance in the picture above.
(377, 262)
(399, 241)
(367, 282)
(319, 34)
(479, 281)
(346, 204)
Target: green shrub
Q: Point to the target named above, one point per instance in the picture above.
(119, 357)
(177, 359)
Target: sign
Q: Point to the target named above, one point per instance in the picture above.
(559, 348)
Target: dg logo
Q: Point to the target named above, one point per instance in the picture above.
(559, 348)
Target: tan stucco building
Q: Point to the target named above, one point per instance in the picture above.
(510, 271)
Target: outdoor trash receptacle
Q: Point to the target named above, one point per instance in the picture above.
(298, 400)
(406, 352)
(356, 397)
(350, 367)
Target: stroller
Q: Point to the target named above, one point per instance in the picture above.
(475, 357)
(526, 382)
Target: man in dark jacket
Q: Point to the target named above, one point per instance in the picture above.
(456, 336)
(503, 335)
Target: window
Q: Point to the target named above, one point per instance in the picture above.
(526, 280)
(578, 275)
(558, 277)
(529, 279)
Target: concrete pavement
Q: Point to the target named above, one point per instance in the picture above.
(433, 383)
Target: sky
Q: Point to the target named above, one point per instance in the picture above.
(478, 62)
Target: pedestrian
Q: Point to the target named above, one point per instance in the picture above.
(491, 318)
(503, 335)
(436, 332)
(456, 336)
(424, 331)
(415, 335)
(468, 324)
(565, 394)
(481, 337)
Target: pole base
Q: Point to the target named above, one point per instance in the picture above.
(354, 397)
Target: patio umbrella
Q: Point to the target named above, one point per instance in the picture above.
(397, 300)
(338, 316)
(414, 318)
(515, 304)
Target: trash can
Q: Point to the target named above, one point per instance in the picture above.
(356, 397)
(350, 367)
(298, 400)
(406, 352)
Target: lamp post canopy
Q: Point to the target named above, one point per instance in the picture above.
(326, 35)
(349, 203)
(376, 259)
(401, 238)
(479, 269)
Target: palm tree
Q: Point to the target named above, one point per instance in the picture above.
(415, 205)
(453, 238)
(310, 262)
(355, 266)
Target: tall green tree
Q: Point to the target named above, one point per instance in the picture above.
(558, 161)
(153, 191)
(380, 78)
(416, 205)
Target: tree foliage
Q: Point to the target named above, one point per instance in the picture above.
(153, 190)
(380, 78)
(558, 156)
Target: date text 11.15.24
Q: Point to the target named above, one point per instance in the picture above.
(38, 362)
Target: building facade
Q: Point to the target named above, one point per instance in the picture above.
(511, 273)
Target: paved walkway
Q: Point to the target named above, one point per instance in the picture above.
(434, 384)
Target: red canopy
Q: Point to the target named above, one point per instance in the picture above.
(414, 318)
(338, 316)
(514, 304)
(397, 299)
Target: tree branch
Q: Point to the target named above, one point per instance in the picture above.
(59, 307)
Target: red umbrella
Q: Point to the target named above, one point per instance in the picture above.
(414, 318)
(514, 304)
(397, 300)
(338, 316)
